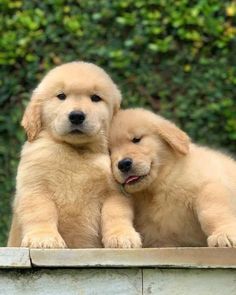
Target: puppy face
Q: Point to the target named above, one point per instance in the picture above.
(140, 144)
(74, 103)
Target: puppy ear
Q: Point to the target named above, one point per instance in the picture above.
(117, 102)
(31, 120)
(116, 107)
(175, 137)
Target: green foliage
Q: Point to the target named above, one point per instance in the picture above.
(175, 56)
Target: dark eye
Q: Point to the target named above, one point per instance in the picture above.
(61, 96)
(136, 139)
(95, 98)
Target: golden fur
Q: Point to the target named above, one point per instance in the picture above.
(65, 191)
(186, 194)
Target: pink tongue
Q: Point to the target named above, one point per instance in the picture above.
(131, 179)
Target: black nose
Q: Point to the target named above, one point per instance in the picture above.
(125, 165)
(77, 117)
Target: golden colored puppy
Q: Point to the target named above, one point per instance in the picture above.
(184, 194)
(64, 179)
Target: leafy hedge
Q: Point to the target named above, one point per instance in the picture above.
(176, 56)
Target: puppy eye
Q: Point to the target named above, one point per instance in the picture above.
(61, 96)
(136, 139)
(95, 98)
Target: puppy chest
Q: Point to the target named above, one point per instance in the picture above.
(81, 226)
(79, 195)
(73, 184)
(168, 224)
(72, 171)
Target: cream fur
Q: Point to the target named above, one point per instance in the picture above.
(187, 196)
(65, 190)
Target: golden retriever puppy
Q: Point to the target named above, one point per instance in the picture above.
(65, 190)
(184, 194)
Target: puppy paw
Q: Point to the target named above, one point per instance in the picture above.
(43, 240)
(121, 239)
(222, 240)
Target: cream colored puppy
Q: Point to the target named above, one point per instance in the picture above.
(65, 191)
(184, 194)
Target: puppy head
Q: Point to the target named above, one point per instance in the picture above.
(74, 102)
(140, 144)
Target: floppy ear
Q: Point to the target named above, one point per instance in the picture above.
(31, 120)
(174, 136)
(116, 107)
(117, 102)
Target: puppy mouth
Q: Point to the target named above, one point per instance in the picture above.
(76, 132)
(84, 131)
(133, 179)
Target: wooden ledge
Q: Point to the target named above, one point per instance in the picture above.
(15, 258)
(119, 258)
(162, 257)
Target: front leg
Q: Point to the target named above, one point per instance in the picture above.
(217, 216)
(117, 223)
(38, 218)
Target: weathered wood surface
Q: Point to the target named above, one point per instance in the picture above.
(118, 281)
(14, 257)
(181, 271)
(71, 282)
(165, 257)
(189, 282)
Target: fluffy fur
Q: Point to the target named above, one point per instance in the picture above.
(65, 191)
(184, 194)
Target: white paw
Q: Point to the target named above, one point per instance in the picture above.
(128, 239)
(222, 240)
(43, 240)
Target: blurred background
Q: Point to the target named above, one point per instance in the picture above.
(177, 57)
